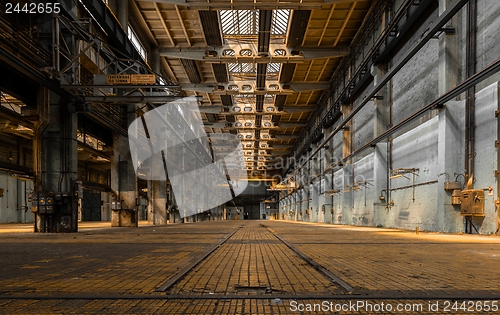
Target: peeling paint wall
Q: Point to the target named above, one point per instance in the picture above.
(433, 144)
(14, 205)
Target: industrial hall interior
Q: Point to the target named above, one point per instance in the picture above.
(249, 156)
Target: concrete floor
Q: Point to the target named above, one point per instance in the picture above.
(262, 267)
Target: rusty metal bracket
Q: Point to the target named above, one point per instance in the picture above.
(448, 30)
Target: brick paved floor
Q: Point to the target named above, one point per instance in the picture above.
(118, 271)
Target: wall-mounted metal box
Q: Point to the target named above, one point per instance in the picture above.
(456, 197)
(472, 202)
(452, 185)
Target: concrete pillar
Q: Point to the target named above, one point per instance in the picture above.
(381, 103)
(348, 198)
(56, 165)
(450, 154)
(450, 160)
(449, 53)
(155, 60)
(124, 179)
(122, 8)
(329, 185)
(380, 184)
(158, 199)
(381, 122)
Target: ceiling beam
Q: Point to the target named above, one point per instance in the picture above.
(286, 111)
(162, 20)
(242, 4)
(219, 54)
(344, 24)
(277, 88)
(181, 20)
(326, 25)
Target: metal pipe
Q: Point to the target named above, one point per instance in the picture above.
(412, 186)
(131, 99)
(471, 93)
(434, 28)
(464, 86)
(497, 174)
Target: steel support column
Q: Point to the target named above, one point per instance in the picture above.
(56, 166)
(123, 178)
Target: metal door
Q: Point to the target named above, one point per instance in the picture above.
(91, 206)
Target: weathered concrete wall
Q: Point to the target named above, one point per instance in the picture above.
(418, 149)
(433, 144)
(486, 157)
(13, 204)
(488, 37)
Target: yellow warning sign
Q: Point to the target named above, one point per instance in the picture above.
(143, 78)
(114, 79)
(124, 79)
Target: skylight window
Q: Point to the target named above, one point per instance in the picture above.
(280, 22)
(246, 22)
(239, 22)
(273, 67)
(242, 68)
(136, 42)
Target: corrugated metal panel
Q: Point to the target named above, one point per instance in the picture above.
(261, 76)
(191, 70)
(211, 27)
(226, 100)
(298, 27)
(211, 118)
(257, 134)
(280, 102)
(265, 18)
(258, 121)
(259, 103)
(287, 71)
(220, 72)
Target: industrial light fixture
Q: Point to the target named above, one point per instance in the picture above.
(249, 137)
(267, 124)
(247, 109)
(236, 109)
(397, 176)
(238, 124)
(248, 124)
(22, 176)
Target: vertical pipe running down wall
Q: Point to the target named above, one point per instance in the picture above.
(497, 202)
(497, 174)
(471, 93)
